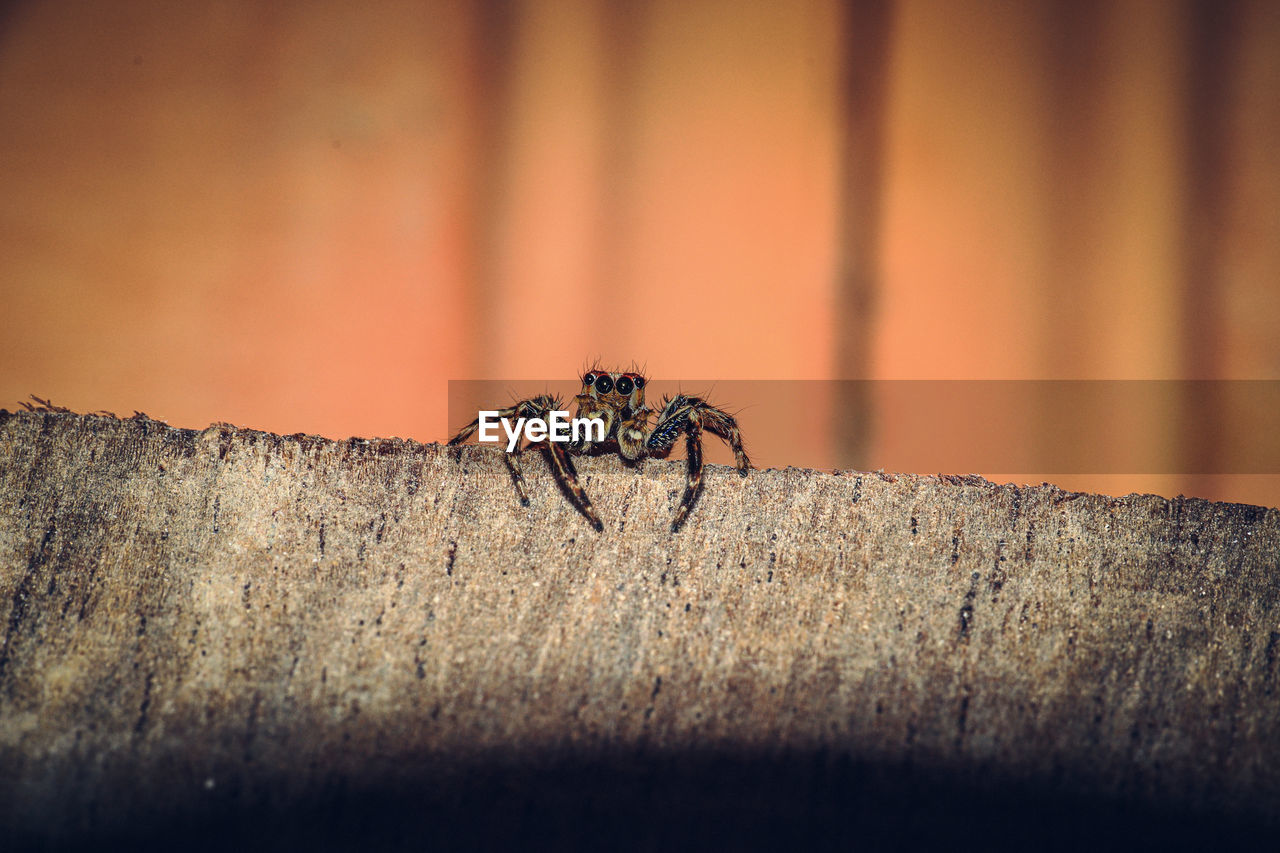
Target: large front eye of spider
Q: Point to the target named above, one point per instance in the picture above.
(604, 384)
(625, 385)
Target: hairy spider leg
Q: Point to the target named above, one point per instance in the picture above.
(568, 477)
(672, 419)
(534, 407)
(690, 415)
(538, 407)
(724, 425)
(693, 480)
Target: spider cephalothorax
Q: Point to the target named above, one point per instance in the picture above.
(617, 399)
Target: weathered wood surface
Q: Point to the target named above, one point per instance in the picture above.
(355, 639)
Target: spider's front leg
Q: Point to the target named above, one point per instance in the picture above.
(537, 407)
(691, 415)
(568, 478)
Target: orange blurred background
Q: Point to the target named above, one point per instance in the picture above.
(309, 217)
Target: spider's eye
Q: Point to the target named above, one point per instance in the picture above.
(639, 381)
(624, 385)
(589, 379)
(604, 384)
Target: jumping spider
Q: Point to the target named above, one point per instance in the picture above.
(618, 399)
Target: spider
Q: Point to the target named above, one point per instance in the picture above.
(617, 398)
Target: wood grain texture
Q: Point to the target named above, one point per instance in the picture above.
(352, 640)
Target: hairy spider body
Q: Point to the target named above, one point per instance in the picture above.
(617, 399)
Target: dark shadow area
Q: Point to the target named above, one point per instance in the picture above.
(707, 801)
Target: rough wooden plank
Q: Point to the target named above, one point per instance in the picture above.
(363, 639)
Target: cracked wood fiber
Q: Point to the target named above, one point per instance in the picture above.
(226, 626)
